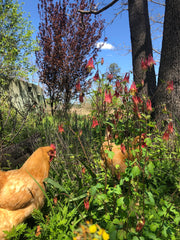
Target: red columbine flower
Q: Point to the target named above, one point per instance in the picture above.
(95, 123)
(60, 128)
(136, 111)
(143, 145)
(118, 84)
(78, 86)
(136, 100)
(108, 97)
(125, 90)
(55, 200)
(110, 76)
(168, 131)
(102, 61)
(83, 170)
(116, 93)
(140, 225)
(133, 89)
(170, 87)
(96, 76)
(149, 106)
(150, 61)
(86, 204)
(90, 65)
(170, 127)
(81, 97)
(144, 64)
(126, 78)
(166, 135)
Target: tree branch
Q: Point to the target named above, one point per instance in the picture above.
(161, 4)
(98, 11)
(156, 51)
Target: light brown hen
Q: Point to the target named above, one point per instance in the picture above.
(117, 164)
(19, 192)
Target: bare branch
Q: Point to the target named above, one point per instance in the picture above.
(157, 21)
(98, 11)
(161, 4)
(156, 51)
(121, 11)
(157, 37)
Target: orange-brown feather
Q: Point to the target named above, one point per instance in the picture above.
(117, 164)
(19, 193)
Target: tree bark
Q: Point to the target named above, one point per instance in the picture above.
(170, 64)
(141, 45)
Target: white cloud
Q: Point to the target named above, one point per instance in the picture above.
(105, 46)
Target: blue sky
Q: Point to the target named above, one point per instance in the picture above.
(117, 49)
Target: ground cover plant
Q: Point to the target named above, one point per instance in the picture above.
(85, 200)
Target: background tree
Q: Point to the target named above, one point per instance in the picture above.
(140, 41)
(66, 39)
(16, 43)
(141, 44)
(16, 47)
(169, 70)
(114, 69)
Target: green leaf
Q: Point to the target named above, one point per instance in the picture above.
(151, 168)
(55, 184)
(78, 198)
(135, 238)
(110, 124)
(99, 185)
(93, 190)
(154, 226)
(117, 190)
(120, 203)
(110, 154)
(150, 235)
(122, 234)
(113, 235)
(102, 197)
(135, 171)
(177, 220)
(151, 198)
(116, 221)
(148, 141)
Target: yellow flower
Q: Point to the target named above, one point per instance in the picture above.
(92, 228)
(95, 239)
(105, 235)
(87, 222)
(100, 231)
(74, 238)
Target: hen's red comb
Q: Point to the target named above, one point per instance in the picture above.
(53, 146)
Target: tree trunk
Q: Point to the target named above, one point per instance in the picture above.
(67, 99)
(170, 63)
(141, 45)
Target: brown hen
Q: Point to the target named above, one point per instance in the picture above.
(19, 192)
(117, 164)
